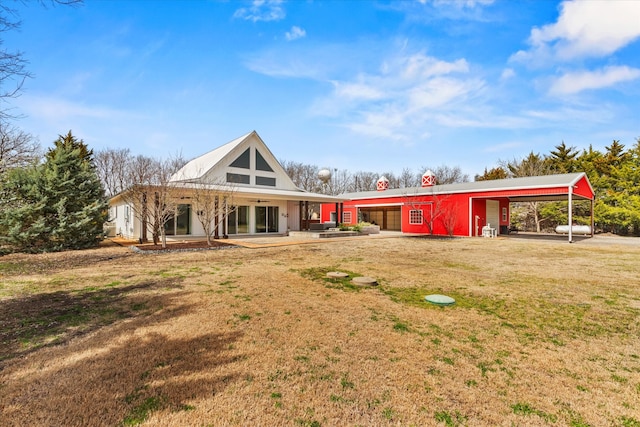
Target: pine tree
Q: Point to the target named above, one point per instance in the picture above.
(563, 159)
(57, 205)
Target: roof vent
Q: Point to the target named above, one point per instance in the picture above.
(428, 179)
(382, 184)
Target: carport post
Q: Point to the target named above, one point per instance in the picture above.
(570, 214)
(593, 222)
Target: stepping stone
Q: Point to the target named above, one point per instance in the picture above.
(364, 281)
(337, 275)
(440, 299)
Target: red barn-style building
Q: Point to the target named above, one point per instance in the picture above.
(461, 209)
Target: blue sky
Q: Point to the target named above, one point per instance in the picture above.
(357, 85)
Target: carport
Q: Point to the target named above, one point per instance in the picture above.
(547, 188)
(460, 209)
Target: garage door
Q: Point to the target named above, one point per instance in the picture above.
(387, 217)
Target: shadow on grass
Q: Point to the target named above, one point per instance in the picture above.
(31, 322)
(121, 378)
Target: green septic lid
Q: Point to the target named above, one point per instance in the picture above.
(440, 299)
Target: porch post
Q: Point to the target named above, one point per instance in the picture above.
(301, 220)
(144, 225)
(215, 226)
(224, 219)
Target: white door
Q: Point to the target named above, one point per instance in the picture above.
(293, 216)
(493, 214)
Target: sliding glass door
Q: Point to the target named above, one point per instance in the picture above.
(267, 219)
(238, 220)
(179, 224)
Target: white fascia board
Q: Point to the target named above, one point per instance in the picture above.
(267, 193)
(379, 205)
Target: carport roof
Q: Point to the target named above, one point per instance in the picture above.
(518, 187)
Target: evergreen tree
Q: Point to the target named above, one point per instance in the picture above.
(57, 205)
(563, 159)
(495, 173)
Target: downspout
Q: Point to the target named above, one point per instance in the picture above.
(570, 214)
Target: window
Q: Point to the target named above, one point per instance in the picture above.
(415, 216)
(238, 178)
(180, 223)
(346, 217)
(243, 161)
(267, 219)
(261, 163)
(504, 214)
(263, 180)
(238, 220)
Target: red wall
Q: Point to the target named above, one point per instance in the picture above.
(453, 208)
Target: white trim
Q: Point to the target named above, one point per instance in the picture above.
(377, 205)
(471, 218)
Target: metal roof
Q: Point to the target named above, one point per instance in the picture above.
(268, 193)
(509, 184)
(198, 167)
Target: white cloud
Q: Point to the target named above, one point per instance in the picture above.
(439, 92)
(507, 74)
(295, 33)
(355, 91)
(55, 109)
(455, 10)
(461, 3)
(401, 101)
(261, 10)
(584, 29)
(575, 82)
(422, 66)
(506, 146)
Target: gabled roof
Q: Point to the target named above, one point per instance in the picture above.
(197, 168)
(246, 156)
(510, 184)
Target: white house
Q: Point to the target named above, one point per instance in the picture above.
(266, 200)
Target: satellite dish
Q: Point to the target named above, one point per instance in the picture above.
(324, 175)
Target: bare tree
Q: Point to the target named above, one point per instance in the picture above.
(446, 174)
(364, 181)
(111, 166)
(438, 210)
(13, 65)
(17, 148)
(152, 196)
(449, 218)
(213, 202)
(303, 175)
(407, 179)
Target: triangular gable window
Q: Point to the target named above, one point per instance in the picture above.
(261, 163)
(243, 161)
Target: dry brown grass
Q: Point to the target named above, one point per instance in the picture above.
(543, 333)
